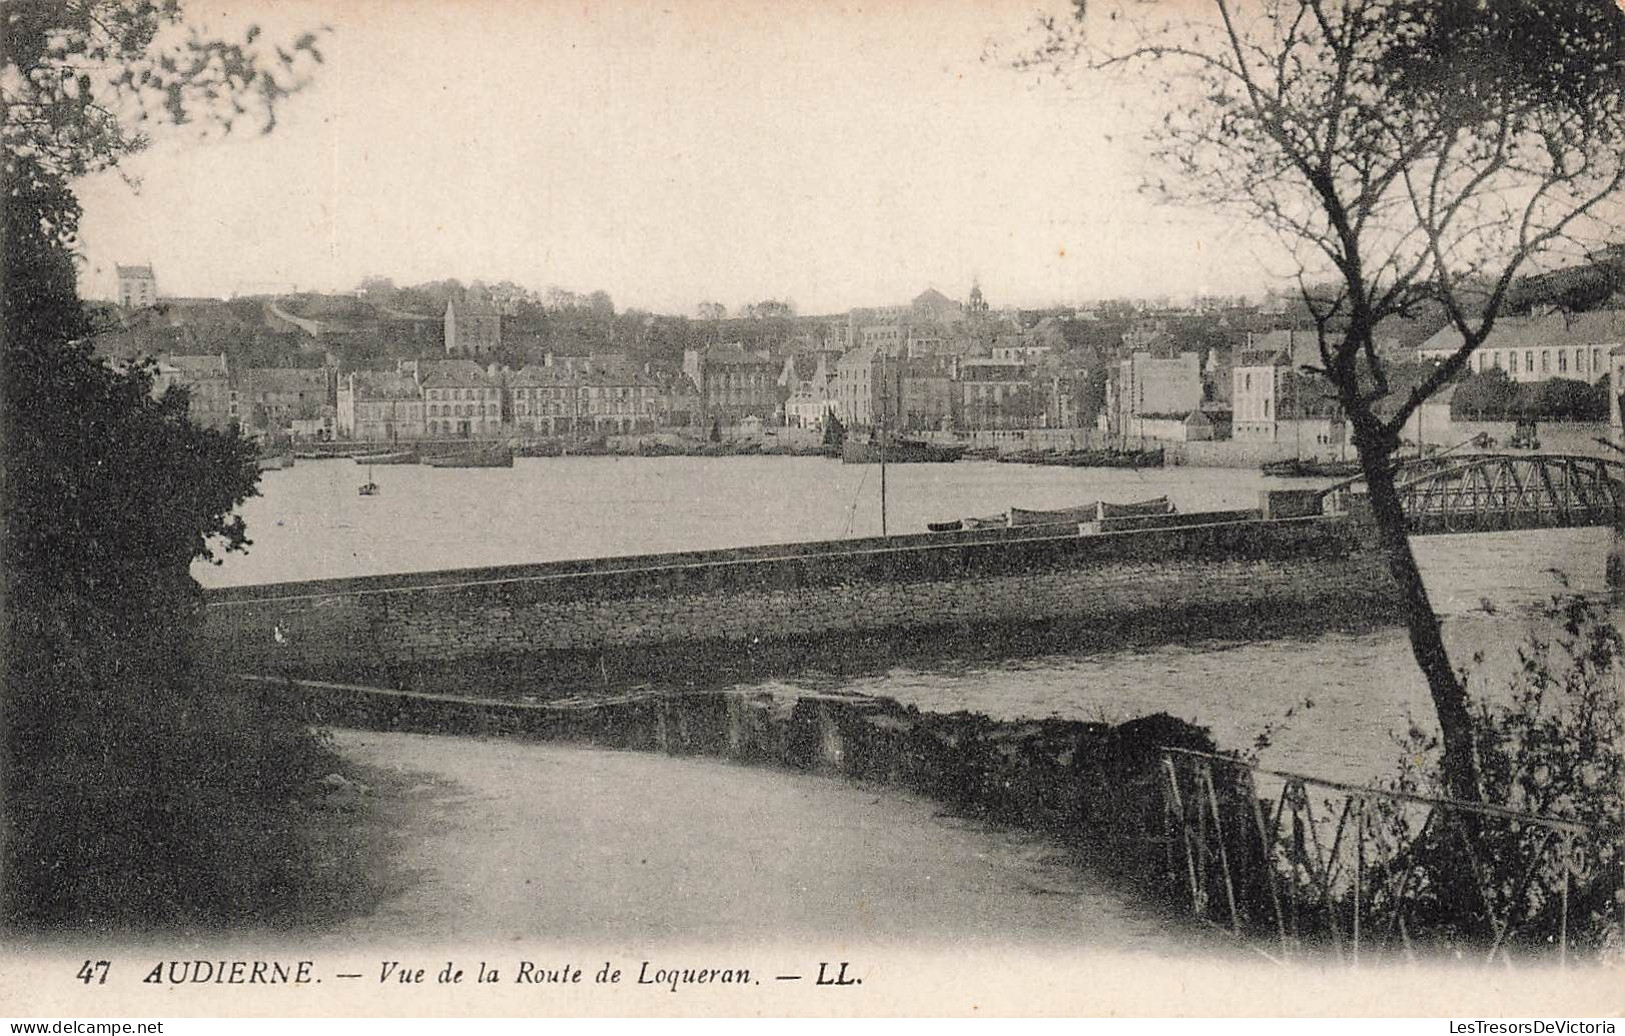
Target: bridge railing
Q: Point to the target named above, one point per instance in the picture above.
(1299, 866)
(1492, 492)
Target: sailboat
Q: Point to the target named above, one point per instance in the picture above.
(369, 487)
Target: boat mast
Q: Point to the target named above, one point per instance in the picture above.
(882, 425)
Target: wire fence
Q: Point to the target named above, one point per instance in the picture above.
(1311, 867)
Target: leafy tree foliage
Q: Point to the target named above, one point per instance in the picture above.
(136, 789)
(1492, 396)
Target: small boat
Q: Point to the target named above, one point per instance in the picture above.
(1297, 467)
(900, 451)
(982, 453)
(394, 457)
(1021, 457)
(954, 526)
(275, 462)
(368, 488)
(487, 458)
(1157, 505)
(1020, 516)
(997, 521)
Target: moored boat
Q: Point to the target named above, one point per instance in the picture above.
(1297, 467)
(499, 457)
(274, 462)
(1021, 516)
(997, 521)
(396, 457)
(1156, 505)
(900, 451)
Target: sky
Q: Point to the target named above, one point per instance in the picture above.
(831, 154)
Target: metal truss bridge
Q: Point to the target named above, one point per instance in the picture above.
(1492, 492)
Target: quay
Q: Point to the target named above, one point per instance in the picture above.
(547, 629)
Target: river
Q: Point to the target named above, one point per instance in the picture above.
(309, 522)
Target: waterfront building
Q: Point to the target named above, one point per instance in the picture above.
(544, 398)
(207, 379)
(995, 395)
(320, 429)
(926, 388)
(733, 382)
(137, 287)
(271, 398)
(461, 399)
(383, 406)
(1147, 391)
(808, 383)
(1536, 348)
(867, 387)
(1195, 426)
(1274, 400)
(618, 402)
(679, 402)
(472, 328)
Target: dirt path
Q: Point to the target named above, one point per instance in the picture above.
(495, 840)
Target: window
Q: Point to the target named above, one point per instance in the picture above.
(1529, 361)
(1562, 362)
(1512, 363)
(1545, 361)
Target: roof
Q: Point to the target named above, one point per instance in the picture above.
(437, 373)
(618, 378)
(384, 385)
(282, 379)
(1551, 330)
(1282, 348)
(933, 297)
(859, 354)
(535, 374)
(144, 270)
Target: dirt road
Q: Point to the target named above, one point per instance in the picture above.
(495, 840)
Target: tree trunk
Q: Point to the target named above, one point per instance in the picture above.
(1450, 701)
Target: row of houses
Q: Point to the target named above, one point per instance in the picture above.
(1539, 347)
(256, 398)
(460, 399)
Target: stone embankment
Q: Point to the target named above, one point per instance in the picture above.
(1096, 782)
(694, 617)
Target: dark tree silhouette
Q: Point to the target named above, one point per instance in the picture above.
(1406, 152)
(134, 791)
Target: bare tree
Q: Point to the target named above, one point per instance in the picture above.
(1404, 151)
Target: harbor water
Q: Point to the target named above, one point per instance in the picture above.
(309, 522)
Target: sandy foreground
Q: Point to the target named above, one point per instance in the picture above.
(494, 840)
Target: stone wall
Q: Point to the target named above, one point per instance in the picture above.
(537, 629)
(1072, 777)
